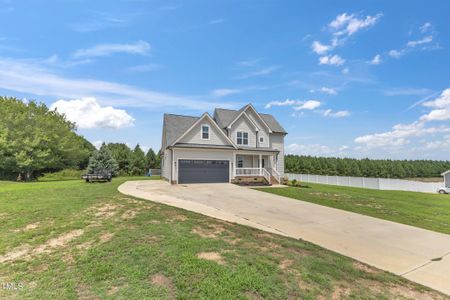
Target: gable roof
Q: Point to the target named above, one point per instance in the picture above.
(175, 126)
(196, 122)
(224, 117)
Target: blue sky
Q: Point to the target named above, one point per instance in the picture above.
(358, 79)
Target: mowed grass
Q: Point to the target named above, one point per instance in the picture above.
(73, 240)
(429, 211)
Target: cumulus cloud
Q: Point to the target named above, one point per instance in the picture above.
(140, 47)
(401, 134)
(425, 27)
(335, 60)
(319, 48)
(307, 105)
(316, 149)
(329, 91)
(348, 24)
(336, 114)
(376, 60)
(88, 113)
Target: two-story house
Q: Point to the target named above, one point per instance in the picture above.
(231, 146)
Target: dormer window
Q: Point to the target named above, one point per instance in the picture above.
(205, 132)
(242, 138)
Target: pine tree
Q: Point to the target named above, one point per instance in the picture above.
(102, 162)
(150, 159)
(137, 166)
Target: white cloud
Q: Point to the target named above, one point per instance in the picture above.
(329, 91)
(336, 114)
(225, 92)
(316, 149)
(425, 40)
(401, 134)
(331, 60)
(26, 77)
(396, 53)
(88, 113)
(307, 105)
(216, 21)
(319, 48)
(345, 71)
(140, 47)
(286, 102)
(346, 25)
(425, 27)
(376, 60)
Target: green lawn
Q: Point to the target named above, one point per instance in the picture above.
(70, 240)
(429, 211)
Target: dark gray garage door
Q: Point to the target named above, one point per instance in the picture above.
(203, 171)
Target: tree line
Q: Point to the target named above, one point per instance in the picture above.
(133, 162)
(384, 168)
(35, 140)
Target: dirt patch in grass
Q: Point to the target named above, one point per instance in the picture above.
(105, 211)
(165, 282)
(28, 227)
(212, 231)
(285, 263)
(106, 237)
(84, 293)
(213, 256)
(365, 268)
(178, 218)
(341, 292)
(253, 295)
(25, 251)
(129, 214)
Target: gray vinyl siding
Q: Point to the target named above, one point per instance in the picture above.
(195, 136)
(166, 163)
(247, 160)
(277, 142)
(263, 132)
(243, 124)
(447, 179)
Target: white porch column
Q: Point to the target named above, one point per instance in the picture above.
(260, 165)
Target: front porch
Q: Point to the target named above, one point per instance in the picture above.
(256, 168)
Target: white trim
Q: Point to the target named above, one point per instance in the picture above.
(254, 110)
(209, 132)
(205, 115)
(248, 118)
(242, 138)
(445, 173)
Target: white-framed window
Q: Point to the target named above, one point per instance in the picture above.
(242, 138)
(261, 139)
(205, 132)
(240, 162)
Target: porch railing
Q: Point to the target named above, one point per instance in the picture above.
(254, 172)
(248, 172)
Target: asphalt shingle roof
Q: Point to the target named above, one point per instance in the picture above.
(176, 125)
(224, 117)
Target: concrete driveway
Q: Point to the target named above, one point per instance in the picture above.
(420, 255)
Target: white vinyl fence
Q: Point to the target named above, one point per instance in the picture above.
(370, 183)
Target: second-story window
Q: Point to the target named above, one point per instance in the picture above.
(242, 138)
(261, 139)
(205, 132)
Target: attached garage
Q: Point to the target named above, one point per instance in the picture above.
(203, 171)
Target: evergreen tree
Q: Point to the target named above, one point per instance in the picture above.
(102, 162)
(122, 154)
(137, 166)
(150, 160)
